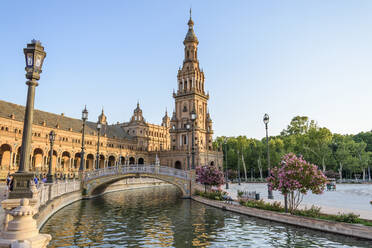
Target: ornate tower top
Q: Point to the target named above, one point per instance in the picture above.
(166, 119)
(102, 118)
(190, 36)
(137, 114)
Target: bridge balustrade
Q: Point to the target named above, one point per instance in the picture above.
(140, 168)
(49, 191)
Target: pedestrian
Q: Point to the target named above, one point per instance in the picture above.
(8, 179)
(44, 180)
(11, 183)
(36, 181)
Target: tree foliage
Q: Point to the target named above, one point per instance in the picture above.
(294, 177)
(209, 175)
(348, 155)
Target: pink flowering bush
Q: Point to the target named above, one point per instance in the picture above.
(209, 175)
(294, 177)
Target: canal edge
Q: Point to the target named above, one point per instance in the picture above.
(346, 229)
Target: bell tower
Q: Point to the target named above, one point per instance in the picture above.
(190, 96)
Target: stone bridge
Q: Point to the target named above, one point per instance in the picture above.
(48, 198)
(95, 182)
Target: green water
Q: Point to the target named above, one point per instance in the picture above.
(157, 217)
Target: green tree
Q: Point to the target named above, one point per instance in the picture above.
(299, 125)
(343, 151)
(318, 143)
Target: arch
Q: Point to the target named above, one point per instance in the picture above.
(54, 160)
(141, 161)
(90, 162)
(132, 160)
(65, 160)
(18, 156)
(178, 165)
(212, 163)
(101, 163)
(111, 161)
(77, 158)
(37, 159)
(122, 160)
(5, 156)
(98, 186)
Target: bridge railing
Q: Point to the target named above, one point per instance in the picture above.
(49, 191)
(139, 168)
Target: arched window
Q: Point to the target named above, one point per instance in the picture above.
(187, 54)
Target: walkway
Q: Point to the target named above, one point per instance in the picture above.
(347, 198)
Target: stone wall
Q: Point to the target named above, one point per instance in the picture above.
(352, 230)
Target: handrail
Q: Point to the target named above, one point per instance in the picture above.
(48, 191)
(137, 168)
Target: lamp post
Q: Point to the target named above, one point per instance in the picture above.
(34, 56)
(227, 171)
(188, 127)
(99, 125)
(266, 121)
(193, 117)
(238, 170)
(52, 137)
(84, 117)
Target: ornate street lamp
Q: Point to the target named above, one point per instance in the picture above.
(227, 171)
(266, 121)
(193, 117)
(52, 137)
(188, 127)
(238, 169)
(34, 56)
(99, 126)
(84, 117)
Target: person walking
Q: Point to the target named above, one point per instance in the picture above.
(8, 179)
(36, 181)
(11, 183)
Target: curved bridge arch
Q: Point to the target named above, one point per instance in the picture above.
(95, 182)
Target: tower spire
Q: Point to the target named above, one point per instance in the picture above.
(190, 36)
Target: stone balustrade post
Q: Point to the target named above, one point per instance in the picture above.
(22, 230)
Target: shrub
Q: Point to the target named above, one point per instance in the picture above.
(348, 218)
(240, 193)
(294, 177)
(209, 175)
(213, 194)
(313, 212)
(276, 206)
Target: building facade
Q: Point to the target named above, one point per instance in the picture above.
(132, 142)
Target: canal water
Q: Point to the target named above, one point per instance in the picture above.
(157, 217)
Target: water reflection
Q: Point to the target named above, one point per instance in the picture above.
(157, 217)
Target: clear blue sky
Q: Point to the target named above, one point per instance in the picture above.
(285, 58)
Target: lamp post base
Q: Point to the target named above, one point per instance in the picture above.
(50, 178)
(22, 185)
